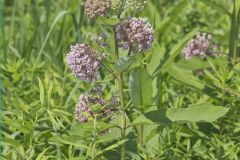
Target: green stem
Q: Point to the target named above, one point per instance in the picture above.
(142, 126)
(116, 45)
(109, 69)
(122, 108)
(123, 117)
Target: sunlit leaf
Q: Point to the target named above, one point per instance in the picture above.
(199, 113)
(140, 87)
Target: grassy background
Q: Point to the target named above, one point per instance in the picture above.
(40, 93)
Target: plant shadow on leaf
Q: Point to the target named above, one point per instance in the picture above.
(131, 147)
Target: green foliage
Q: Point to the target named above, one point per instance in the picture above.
(175, 108)
(198, 113)
(140, 87)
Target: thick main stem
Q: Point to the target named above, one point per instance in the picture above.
(123, 117)
(122, 108)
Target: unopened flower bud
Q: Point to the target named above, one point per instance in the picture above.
(137, 5)
(135, 33)
(96, 8)
(116, 6)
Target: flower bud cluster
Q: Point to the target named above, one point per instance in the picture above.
(116, 6)
(137, 5)
(85, 109)
(96, 8)
(135, 33)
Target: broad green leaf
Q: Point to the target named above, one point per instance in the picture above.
(158, 116)
(199, 113)
(157, 57)
(41, 88)
(140, 87)
(193, 64)
(81, 130)
(141, 120)
(185, 76)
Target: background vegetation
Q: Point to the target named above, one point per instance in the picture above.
(40, 92)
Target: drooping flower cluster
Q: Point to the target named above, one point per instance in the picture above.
(116, 6)
(137, 5)
(83, 62)
(200, 46)
(136, 33)
(96, 8)
(85, 109)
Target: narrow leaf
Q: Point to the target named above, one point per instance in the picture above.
(39, 157)
(73, 142)
(41, 91)
(216, 6)
(117, 144)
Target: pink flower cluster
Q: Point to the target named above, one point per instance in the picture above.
(200, 46)
(135, 33)
(83, 111)
(83, 62)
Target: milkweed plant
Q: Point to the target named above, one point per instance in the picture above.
(129, 57)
